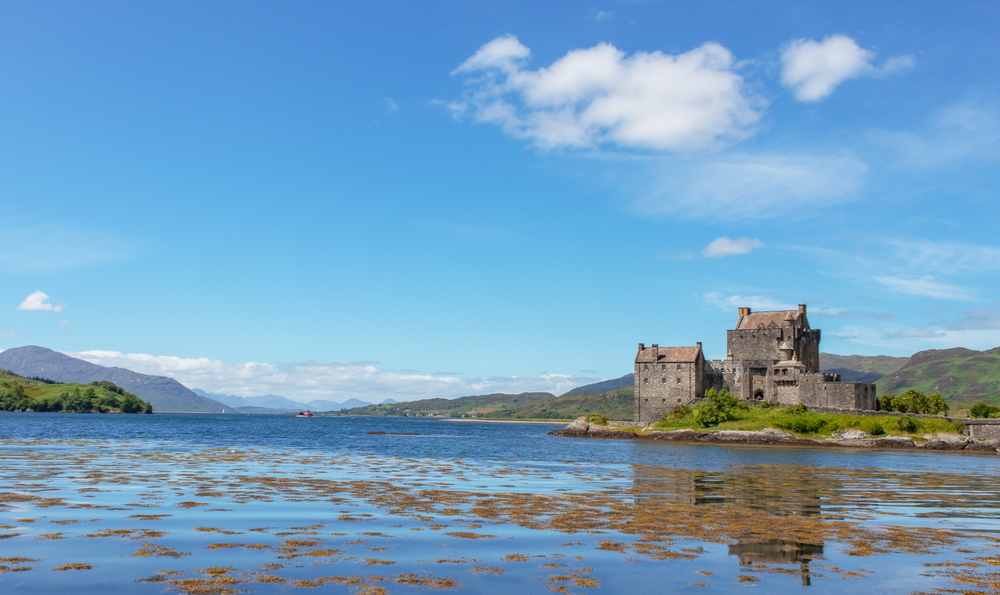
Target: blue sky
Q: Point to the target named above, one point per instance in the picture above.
(386, 199)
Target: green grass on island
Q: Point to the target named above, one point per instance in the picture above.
(809, 424)
(18, 393)
(722, 411)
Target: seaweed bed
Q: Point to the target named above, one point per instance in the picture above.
(150, 518)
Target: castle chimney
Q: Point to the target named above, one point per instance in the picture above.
(656, 352)
(699, 345)
(744, 312)
(641, 347)
(802, 309)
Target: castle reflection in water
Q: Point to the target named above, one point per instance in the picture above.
(747, 493)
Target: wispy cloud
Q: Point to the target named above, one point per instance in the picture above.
(756, 302)
(38, 301)
(7, 331)
(976, 319)
(813, 69)
(32, 248)
(908, 340)
(745, 186)
(913, 333)
(391, 105)
(927, 286)
(946, 256)
(724, 246)
(332, 381)
(963, 131)
(598, 95)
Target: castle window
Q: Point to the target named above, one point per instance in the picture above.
(678, 366)
(645, 380)
(645, 366)
(678, 381)
(663, 380)
(663, 367)
(664, 400)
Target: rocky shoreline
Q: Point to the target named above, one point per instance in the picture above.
(580, 428)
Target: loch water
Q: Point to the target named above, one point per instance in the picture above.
(274, 504)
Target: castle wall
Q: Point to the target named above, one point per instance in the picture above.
(660, 387)
(754, 344)
(826, 390)
(807, 349)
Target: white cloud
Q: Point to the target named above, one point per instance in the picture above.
(813, 69)
(603, 15)
(328, 381)
(926, 286)
(391, 105)
(599, 95)
(7, 331)
(723, 246)
(754, 302)
(64, 322)
(38, 301)
(735, 187)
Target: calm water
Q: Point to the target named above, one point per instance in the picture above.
(273, 504)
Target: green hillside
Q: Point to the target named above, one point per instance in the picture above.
(861, 368)
(23, 394)
(960, 375)
(474, 405)
(617, 404)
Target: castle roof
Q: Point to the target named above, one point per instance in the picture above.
(657, 355)
(777, 318)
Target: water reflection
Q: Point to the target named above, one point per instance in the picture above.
(777, 551)
(760, 491)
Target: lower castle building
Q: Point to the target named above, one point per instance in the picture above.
(771, 356)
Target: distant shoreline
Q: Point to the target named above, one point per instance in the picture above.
(504, 421)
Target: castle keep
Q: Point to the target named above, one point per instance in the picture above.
(771, 356)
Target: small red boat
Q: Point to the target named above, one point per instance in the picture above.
(305, 414)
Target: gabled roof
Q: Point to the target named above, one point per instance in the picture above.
(753, 320)
(667, 355)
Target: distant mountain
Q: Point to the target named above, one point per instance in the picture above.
(351, 403)
(389, 401)
(959, 374)
(604, 385)
(265, 401)
(166, 394)
(263, 411)
(321, 405)
(860, 368)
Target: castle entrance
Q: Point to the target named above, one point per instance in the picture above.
(758, 395)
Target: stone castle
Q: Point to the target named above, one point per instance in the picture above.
(771, 356)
